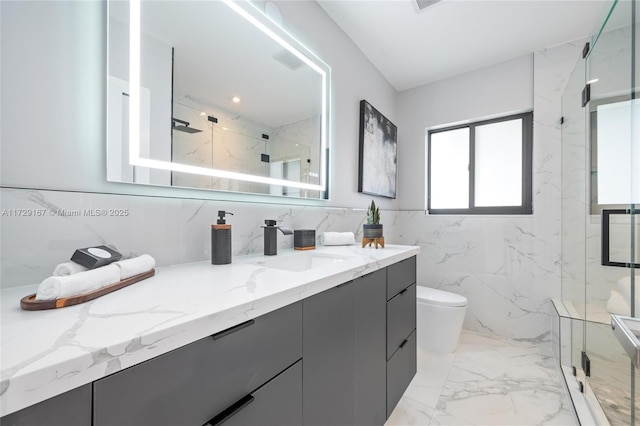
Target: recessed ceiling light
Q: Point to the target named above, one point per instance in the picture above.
(235, 99)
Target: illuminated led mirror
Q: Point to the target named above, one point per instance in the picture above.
(214, 95)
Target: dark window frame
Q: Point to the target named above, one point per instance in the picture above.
(526, 206)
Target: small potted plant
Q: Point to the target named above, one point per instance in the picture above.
(373, 227)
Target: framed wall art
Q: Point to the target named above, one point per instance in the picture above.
(378, 167)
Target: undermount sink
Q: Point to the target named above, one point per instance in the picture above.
(627, 330)
(302, 261)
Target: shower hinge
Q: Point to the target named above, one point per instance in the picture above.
(586, 95)
(586, 364)
(581, 386)
(561, 120)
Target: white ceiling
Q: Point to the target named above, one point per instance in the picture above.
(452, 37)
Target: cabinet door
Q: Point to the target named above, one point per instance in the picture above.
(401, 318)
(194, 383)
(400, 371)
(277, 403)
(328, 357)
(71, 408)
(400, 276)
(370, 348)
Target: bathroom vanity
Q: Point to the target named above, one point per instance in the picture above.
(319, 337)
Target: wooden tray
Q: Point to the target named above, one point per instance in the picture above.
(29, 303)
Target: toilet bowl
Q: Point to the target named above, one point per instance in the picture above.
(439, 319)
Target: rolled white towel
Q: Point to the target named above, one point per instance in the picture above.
(83, 282)
(338, 239)
(68, 268)
(135, 266)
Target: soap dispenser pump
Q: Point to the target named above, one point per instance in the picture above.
(221, 240)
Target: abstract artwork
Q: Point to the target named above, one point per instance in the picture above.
(378, 153)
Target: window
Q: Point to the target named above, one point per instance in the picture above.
(613, 159)
(482, 167)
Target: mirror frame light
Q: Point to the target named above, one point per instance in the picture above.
(250, 13)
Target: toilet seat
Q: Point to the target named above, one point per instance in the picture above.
(437, 297)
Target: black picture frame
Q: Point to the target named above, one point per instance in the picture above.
(377, 162)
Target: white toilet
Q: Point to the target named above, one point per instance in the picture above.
(439, 319)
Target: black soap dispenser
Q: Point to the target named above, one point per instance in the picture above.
(221, 240)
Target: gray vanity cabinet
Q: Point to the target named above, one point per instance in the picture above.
(401, 318)
(344, 356)
(370, 349)
(194, 384)
(71, 408)
(400, 371)
(344, 350)
(401, 329)
(328, 354)
(276, 403)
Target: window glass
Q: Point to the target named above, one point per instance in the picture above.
(482, 167)
(450, 169)
(498, 161)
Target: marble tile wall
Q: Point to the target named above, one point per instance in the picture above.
(508, 267)
(40, 229)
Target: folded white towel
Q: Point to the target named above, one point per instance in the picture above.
(68, 268)
(338, 239)
(83, 282)
(135, 266)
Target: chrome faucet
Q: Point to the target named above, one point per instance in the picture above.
(271, 236)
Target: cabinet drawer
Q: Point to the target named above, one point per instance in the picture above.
(400, 371)
(401, 318)
(400, 276)
(192, 384)
(277, 403)
(71, 408)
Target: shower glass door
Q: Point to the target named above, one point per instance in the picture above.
(611, 238)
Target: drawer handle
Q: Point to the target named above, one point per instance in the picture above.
(344, 284)
(404, 343)
(233, 329)
(403, 291)
(231, 411)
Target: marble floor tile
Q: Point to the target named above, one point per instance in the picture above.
(410, 412)
(487, 381)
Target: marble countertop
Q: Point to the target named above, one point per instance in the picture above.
(46, 353)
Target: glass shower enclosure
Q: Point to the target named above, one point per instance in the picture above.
(600, 220)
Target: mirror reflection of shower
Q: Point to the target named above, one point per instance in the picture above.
(182, 126)
(208, 136)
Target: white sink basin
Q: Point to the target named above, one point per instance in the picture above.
(298, 262)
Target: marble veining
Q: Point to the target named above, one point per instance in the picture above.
(45, 353)
(486, 381)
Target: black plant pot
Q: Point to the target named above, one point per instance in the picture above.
(372, 231)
